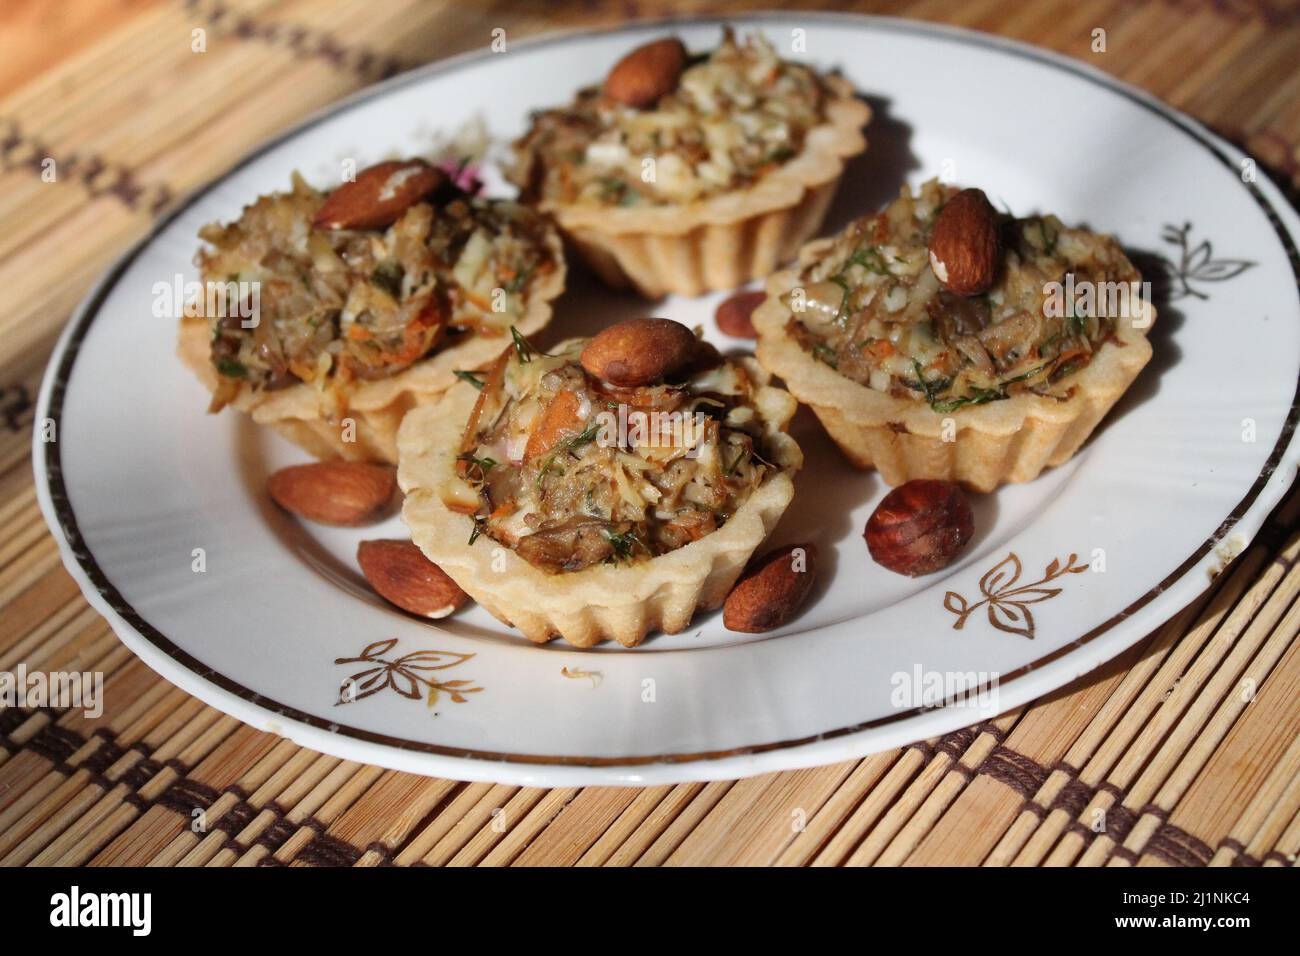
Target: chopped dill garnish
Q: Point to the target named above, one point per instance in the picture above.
(585, 437)
(931, 389)
(826, 354)
(480, 525)
(388, 276)
(735, 462)
(624, 544)
(869, 258)
(520, 279)
(523, 348)
(469, 377)
(484, 465)
(842, 312)
(982, 396)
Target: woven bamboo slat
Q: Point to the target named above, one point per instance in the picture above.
(1185, 750)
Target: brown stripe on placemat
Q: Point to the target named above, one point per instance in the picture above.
(277, 834)
(1262, 11)
(957, 742)
(16, 407)
(56, 744)
(1020, 773)
(1016, 770)
(186, 795)
(1240, 856)
(326, 850)
(233, 821)
(22, 151)
(302, 41)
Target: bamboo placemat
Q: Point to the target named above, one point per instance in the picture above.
(1187, 746)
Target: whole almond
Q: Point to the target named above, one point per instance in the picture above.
(639, 351)
(735, 315)
(772, 590)
(379, 195)
(401, 574)
(334, 492)
(920, 527)
(647, 73)
(965, 250)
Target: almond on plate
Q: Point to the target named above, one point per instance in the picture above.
(334, 492)
(772, 590)
(379, 195)
(647, 73)
(965, 249)
(639, 351)
(734, 315)
(401, 574)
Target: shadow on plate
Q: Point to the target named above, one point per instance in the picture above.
(873, 179)
(1164, 348)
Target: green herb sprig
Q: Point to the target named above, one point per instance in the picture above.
(982, 396)
(480, 526)
(523, 348)
(624, 544)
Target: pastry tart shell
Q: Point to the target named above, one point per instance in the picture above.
(620, 602)
(729, 239)
(1006, 441)
(375, 409)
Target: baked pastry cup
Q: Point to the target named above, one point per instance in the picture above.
(599, 560)
(736, 189)
(984, 386)
(371, 300)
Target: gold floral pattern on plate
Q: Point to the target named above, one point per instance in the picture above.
(1007, 603)
(408, 675)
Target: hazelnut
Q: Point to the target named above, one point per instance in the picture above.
(920, 527)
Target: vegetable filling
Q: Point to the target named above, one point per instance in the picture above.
(737, 113)
(571, 472)
(873, 309)
(337, 306)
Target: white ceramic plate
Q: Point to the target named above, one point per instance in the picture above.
(1166, 491)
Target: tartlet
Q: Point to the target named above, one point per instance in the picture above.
(984, 385)
(373, 298)
(530, 496)
(746, 151)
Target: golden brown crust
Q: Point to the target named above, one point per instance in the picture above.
(376, 408)
(620, 602)
(1010, 440)
(725, 240)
